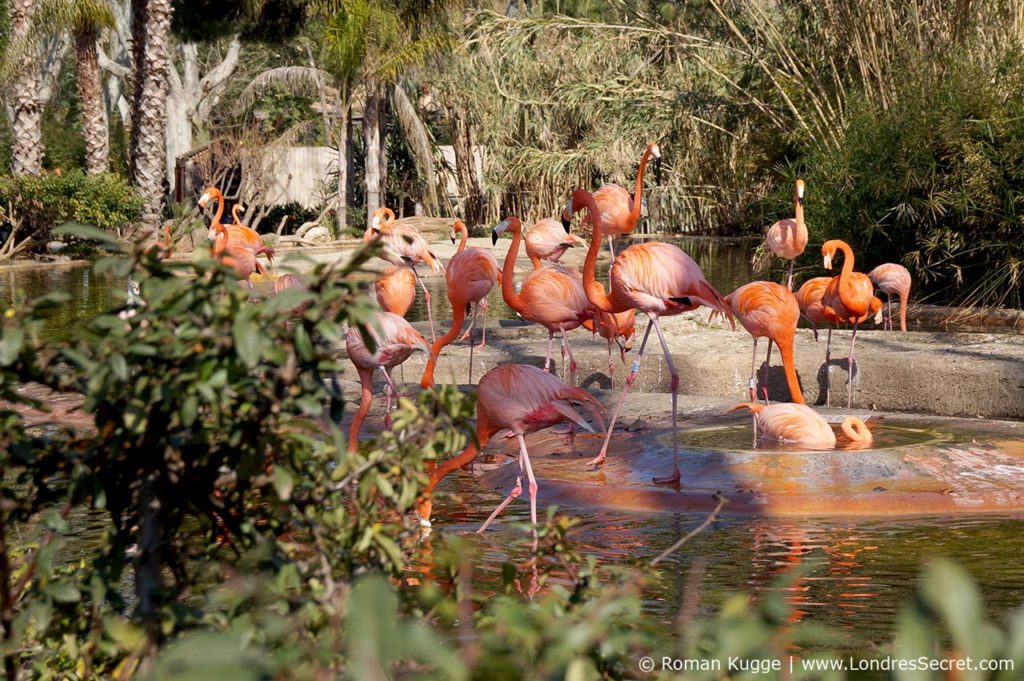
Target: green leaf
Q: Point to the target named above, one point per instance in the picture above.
(283, 483)
(63, 591)
(10, 344)
(247, 340)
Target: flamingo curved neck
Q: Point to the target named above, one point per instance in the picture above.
(508, 287)
(638, 192)
(461, 228)
(219, 198)
(856, 430)
(594, 290)
(845, 278)
(800, 215)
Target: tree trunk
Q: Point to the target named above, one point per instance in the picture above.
(151, 29)
(27, 113)
(90, 96)
(372, 143)
(465, 166)
(343, 153)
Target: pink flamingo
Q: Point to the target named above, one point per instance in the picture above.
(237, 232)
(619, 211)
(788, 238)
(809, 299)
(395, 341)
(798, 424)
(523, 399)
(548, 240)
(659, 280)
(470, 275)
(404, 245)
(460, 227)
(892, 279)
(550, 296)
(850, 298)
(769, 310)
(395, 288)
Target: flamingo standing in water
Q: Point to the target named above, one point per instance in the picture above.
(550, 296)
(657, 279)
(237, 254)
(798, 424)
(850, 298)
(470, 275)
(404, 245)
(238, 232)
(618, 328)
(395, 288)
(769, 310)
(523, 399)
(809, 299)
(548, 240)
(460, 227)
(619, 211)
(395, 340)
(892, 279)
(788, 238)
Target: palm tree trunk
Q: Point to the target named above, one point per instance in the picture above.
(372, 144)
(342, 139)
(151, 32)
(27, 119)
(90, 96)
(465, 166)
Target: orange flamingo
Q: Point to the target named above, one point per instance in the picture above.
(550, 296)
(548, 240)
(235, 210)
(403, 245)
(657, 279)
(619, 211)
(850, 298)
(619, 328)
(470, 275)
(239, 233)
(809, 298)
(892, 279)
(395, 288)
(395, 340)
(523, 399)
(769, 310)
(798, 424)
(788, 238)
(235, 253)
(460, 227)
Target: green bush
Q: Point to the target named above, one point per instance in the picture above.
(42, 202)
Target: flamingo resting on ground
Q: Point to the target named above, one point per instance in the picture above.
(769, 310)
(548, 240)
(809, 299)
(620, 212)
(798, 424)
(849, 298)
(470, 275)
(396, 289)
(395, 340)
(892, 279)
(657, 279)
(523, 399)
(618, 328)
(404, 245)
(550, 296)
(788, 238)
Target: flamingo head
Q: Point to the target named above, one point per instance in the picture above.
(799, 191)
(567, 213)
(827, 251)
(457, 227)
(380, 215)
(655, 151)
(509, 222)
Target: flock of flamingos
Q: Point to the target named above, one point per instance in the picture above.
(655, 278)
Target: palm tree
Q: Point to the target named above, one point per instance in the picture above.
(27, 109)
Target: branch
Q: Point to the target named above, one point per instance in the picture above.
(722, 501)
(111, 66)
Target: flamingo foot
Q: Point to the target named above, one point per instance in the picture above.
(597, 460)
(669, 479)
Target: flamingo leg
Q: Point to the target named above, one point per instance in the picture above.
(752, 385)
(426, 297)
(633, 371)
(476, 308)
(611, 365)
(828, 358)
(483, 328)
(849, 364)
(674, 478)
(390, 392)
(889, 300)
(790, 281)
(767, 366)
(517, 489)
(524, 458)
(572, 360)
(547, 355)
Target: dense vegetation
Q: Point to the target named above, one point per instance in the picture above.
(241, 541)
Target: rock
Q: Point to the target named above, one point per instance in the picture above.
(55, 246)
(318, 235)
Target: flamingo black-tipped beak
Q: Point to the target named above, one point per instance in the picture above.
(498, 229)
(452, 238)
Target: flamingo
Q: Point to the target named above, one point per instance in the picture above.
(892, 279)
(769, 310)
(470, 275)
(788, 238)
(524, 399)
(287, 281)
(396, 289)
(238, 233)
(548, 240)
(460, 227)
(809, 299)
(619, 327)
(404, 245)
(619, 211)
(395, 340)
(657, 279)
(798, 424)
(235, 253)
(551, 296)
(235, 210)
(849, 297)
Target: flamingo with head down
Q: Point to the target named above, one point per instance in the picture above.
(850, 298)
(402, 244)
(809, 299)
(892, 279)
(797, 424)
(548, 241)
(523, 399)
(659, 280)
